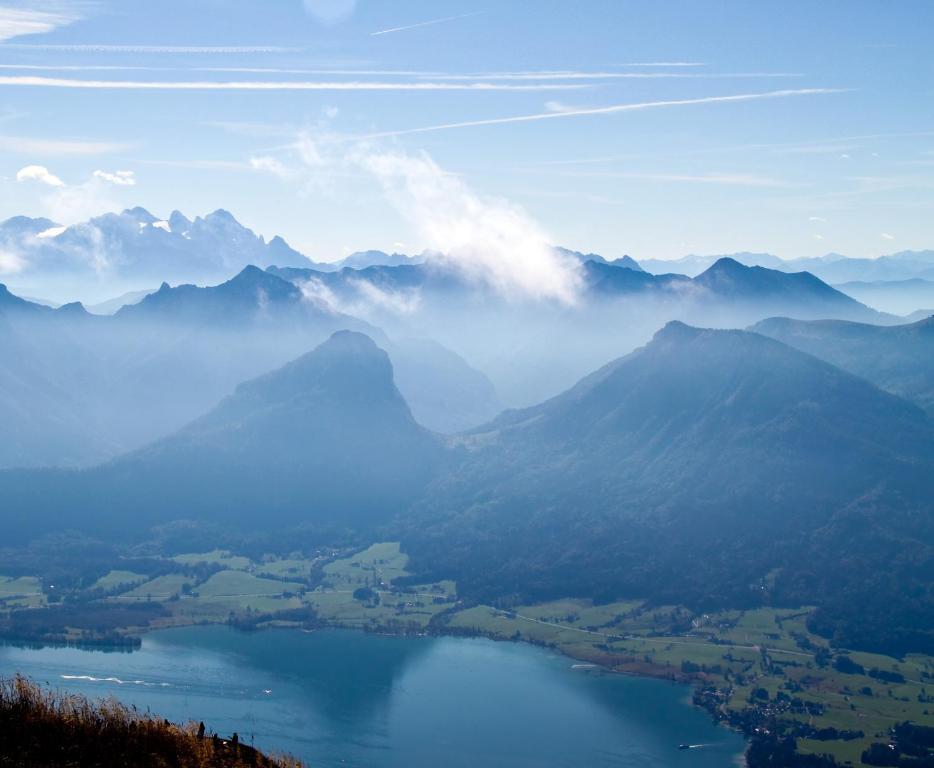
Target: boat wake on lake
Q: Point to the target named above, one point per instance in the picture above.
(117, 680)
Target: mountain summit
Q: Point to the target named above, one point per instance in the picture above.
(135, 249)
(326, 440)
(701, 467)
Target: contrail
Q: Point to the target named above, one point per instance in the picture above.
(633, 107)
(266, 85)
(424, 23)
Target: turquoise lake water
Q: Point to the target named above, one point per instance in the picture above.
(340, 698)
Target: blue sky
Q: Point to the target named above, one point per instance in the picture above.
(302, 121)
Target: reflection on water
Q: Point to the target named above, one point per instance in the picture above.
(349, 699)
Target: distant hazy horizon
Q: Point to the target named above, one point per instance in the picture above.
(655, 130)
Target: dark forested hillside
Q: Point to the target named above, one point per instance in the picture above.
(713, 469)
(710, 467)
(898, 358)
(326, 440)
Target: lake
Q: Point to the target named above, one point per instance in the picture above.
(342, 698)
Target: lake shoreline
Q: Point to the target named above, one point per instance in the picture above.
(501, 692)
(597, 662)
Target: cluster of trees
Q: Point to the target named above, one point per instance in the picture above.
(94, 623)
(912, 746)
(768, 750)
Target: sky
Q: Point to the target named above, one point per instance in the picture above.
(654, 129)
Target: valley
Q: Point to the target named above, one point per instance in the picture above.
(418, 384)
(752, 669)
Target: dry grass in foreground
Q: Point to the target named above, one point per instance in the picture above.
(53, 730)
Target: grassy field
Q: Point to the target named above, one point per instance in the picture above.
(233, 583)
(245, 587)
(119, 581)
(375, 568)
(748, 655)
(290, 568)
(21, 592)
(159, 588)
(219, 557)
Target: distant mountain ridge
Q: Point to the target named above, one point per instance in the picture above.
(327, 440)
(900, 297)
(135, 249)
(831, 268)
(727, 280)
(76, 388)
(898, 358)
(709, 468)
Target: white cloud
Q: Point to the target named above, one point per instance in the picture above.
(11, 263)
(170, 49)
(70, 204)
(51, 232)
(80, 202)
(22, 21)
(307, 149)
(39, 173)
(593, 75)
(816, 218)
(403, 302)
(367, 298)
(489, 241)
(887, 236)
(120, 178)
(33, 81)
(271, 165)
(32, 146)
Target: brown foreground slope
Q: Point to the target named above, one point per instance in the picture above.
(43, 728)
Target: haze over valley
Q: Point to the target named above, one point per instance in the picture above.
(444, 385)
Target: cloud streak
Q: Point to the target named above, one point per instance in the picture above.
(429, 23)
(110, 48)
(22, 21)
(726, 179)
(608, 110)
(583, 75)
(266, 85)
(33, 146)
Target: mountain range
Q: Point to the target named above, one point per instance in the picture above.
(727, 281)
(75, 381)
(833, 268)
(429, 317)
(710, 468)
(133, 250)
(78, 389)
